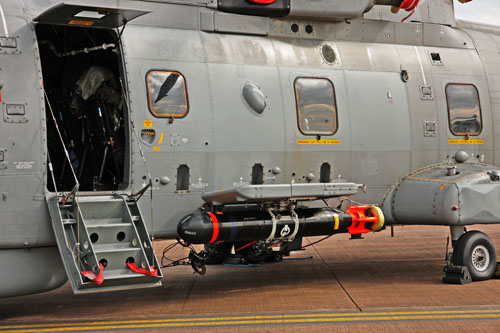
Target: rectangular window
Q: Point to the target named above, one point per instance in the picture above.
(464, 109)
(167, 96)
(316, 107)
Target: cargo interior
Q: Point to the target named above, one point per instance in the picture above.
(83, 76)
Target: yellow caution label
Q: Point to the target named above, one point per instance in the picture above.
(157, 148)
(337, 222)
(318, 142)
(466, 142)
(148, 123)
(77, 22)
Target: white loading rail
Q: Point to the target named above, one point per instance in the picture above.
(280, 192)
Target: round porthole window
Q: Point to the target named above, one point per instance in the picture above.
(328, 54)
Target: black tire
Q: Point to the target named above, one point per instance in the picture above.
(476, 251)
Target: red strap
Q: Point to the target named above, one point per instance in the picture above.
(215, 222)
(134, 268)
(241, 248)
(409, 6)
(97, 279)
(263, 2)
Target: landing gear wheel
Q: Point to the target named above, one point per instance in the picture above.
(476, 251)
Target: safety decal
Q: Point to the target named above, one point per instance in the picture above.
(199, 184)
(23, 165)
(76, 22)
(466, 142)
(285, 231)
(148, 123)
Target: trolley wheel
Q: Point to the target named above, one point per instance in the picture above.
(476, 251)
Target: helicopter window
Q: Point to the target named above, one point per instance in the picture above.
(325, 173)
(464, 109)
(182, 178)
(316, 108)
(257, 174)
(167, 97)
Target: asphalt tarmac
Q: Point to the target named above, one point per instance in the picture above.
(380, 283)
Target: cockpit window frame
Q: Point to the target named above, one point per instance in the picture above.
(297, 103)
(149, 100)
(450, 111)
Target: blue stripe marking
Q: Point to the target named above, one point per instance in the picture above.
(233, 227)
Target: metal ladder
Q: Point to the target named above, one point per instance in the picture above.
(99, 235)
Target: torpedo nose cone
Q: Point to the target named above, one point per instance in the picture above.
(195, 228)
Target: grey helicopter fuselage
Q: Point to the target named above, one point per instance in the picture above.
(236, 114)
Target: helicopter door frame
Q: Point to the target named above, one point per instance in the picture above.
(87, 17)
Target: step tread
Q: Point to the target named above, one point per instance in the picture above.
(104, 219)
(108, 225)
(120, 274)
(68, 221)
(97, 199)
(114, 247)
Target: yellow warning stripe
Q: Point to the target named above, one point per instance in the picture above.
(318, 142)
(336, 227)
(261, 322)
(466, 142)
(256, 320)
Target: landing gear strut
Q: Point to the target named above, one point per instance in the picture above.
(474, 257)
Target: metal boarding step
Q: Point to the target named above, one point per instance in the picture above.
(107, 231)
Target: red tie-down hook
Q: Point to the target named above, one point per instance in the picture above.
(363, 214)
(96, 278)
